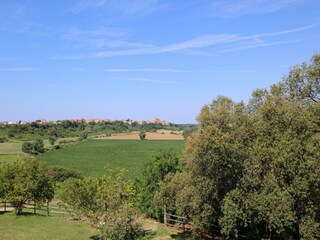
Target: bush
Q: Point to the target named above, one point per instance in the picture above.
(142, 135)
(3, 139)
(60, 174)
(27, 147)
(33, 148)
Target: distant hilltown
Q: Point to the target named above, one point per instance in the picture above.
(95, 120)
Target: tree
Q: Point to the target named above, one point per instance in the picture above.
(187, 132)
(38, 146)
(252, 171)
(142, 135)
(302, 81)
(23, 181)
(33, 148)
(164, 162)
(27, 147)
(108, 202)
(52, 139)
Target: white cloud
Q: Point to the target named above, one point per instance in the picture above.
(145, 70)
(116, 7)
(16, 69)
(224, 40)
(121, 70)
(68, 57)
(259, 45)
(234, 8)
(151, 81)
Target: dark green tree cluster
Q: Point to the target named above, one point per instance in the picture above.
(34, 148)
(252, 171)
(25, 181)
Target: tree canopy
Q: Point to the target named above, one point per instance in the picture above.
(252, 170)
(24, 181)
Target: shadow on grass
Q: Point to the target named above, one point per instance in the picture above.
(182, 235)
(22, 214)
(95, 237)
(30, 214)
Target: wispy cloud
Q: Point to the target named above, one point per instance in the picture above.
(16, 69)
(223, 40)
(75, 33)
(116, 7)
(145, 70)
(259, 45)
(68, 57)
(234, 8)
(150, 81)
(124, 70)
(16, 18)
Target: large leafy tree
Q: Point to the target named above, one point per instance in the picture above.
(25, 181)
(252, 171)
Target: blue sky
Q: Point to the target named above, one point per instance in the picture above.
(141, 59)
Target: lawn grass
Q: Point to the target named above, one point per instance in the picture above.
(35, 227)
(90, 157)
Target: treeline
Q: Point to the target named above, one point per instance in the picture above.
(252, 171)
(67, 128)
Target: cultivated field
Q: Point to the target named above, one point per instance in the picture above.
(149, 136)
(92, 156)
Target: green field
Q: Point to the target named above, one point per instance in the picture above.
(34, 227)
(10, 148)
(92, 156)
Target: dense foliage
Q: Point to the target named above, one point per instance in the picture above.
(60, 174)
(252, 170)
(165, 162)
(108, 202)
(34, 148)
(25, 181)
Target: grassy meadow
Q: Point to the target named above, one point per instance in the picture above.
(90, 157)
(36, 227)
(9, 148)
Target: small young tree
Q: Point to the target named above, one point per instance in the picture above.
(52, 139)
(142, 135)
(108, 202)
